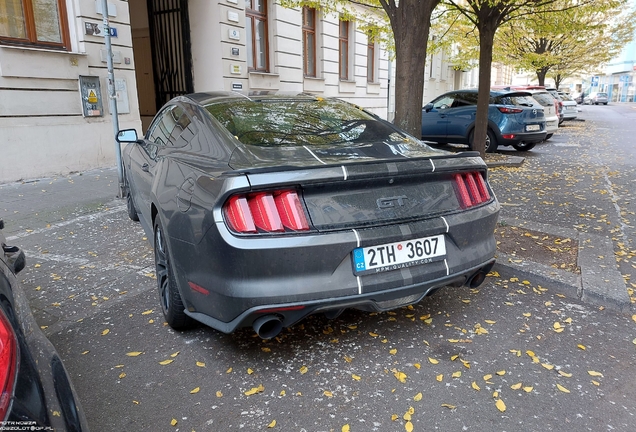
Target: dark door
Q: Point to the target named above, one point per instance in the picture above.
(170, 43)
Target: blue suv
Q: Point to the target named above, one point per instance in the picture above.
(513, 119)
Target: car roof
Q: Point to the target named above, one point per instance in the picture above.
(206, 98)
(493, 92)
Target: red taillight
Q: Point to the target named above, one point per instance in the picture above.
(508, 136)
(269, 211)
(8, 363)
(507, 110)
(471, 189)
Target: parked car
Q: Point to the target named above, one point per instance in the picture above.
(570, 107)
(547, 101)
(264, 209)
(596, 98)
(36, 392)
(560, 106)
(512, 119)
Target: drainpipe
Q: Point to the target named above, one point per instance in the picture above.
(112, 102)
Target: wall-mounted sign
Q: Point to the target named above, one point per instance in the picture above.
(235, 51)
(104, 56)
(235, 69)
(91, 94)
(97, 29)
(237, 86)
(234, 34)
(232, 16)
(121, 96)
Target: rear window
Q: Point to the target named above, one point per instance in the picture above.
(300, 122)
(601, 94)
(515, 100)
(544, 98)
(566, 97)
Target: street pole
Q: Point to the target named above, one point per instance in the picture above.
(112, 102)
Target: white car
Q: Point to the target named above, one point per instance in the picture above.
(570, 107)
(550, 109)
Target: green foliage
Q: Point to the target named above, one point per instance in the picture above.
(566, 38)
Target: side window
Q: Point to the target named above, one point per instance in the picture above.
(34, 23)
(444, 102)
(182, 121)
(465, 99)
(161, 129)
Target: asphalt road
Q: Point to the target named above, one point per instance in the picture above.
(509, 356)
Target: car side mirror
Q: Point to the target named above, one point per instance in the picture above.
(127, 136)
(428, 107)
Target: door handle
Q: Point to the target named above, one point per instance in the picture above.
(145, 167)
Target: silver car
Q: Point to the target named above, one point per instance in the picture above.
(596, 98)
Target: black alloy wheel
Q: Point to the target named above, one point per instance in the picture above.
(491, 141)
(524, 146)
(130, 206)
(171, 302)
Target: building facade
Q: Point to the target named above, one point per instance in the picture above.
(53, 91)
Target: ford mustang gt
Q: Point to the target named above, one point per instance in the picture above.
(264, 209)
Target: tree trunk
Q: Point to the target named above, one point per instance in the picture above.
(486, 38)
(411, 42)
(541, 73)
(557, 81)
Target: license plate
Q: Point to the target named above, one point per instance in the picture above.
(531, 128)
(394, 256)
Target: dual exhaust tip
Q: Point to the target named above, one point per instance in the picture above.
(269, 326)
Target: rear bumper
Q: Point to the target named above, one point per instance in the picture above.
(244, 278)
(524, 137)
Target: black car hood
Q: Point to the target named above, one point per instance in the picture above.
(245, 156)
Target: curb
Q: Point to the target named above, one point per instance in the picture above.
(599, 283)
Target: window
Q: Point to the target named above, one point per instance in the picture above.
(344, 50)
(370, 58)
(34, 22)
(256, 29)
(309, 41)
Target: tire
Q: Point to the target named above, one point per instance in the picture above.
(491, 141)
(605, 103)
(171, 302)
(130, 206)
(523, 146)
(548, 136)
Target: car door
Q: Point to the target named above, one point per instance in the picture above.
(434, 118)
(143, 161)
(461, 116)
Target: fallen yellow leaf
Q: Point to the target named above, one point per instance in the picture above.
(475, 386)
(355, 377)
(565, 374)
(563, 389)
(417, 365)
(527, 389)
(547, 366)
(440, 377)
(173, 422)
(105, 332)
(449, 406)
(219, 394)
(417, 397)
(393, 351)
(122, 375)
(250, 371)
(400, 376)
(596, 383)
(328, 393)
(501, 372)
(595, 374)
(272, 424)
(433, 361)
(487, 377)
(303, 370)
(345, 428)
(166, 362)
(148, 312)
(408, 426)
(516, 386)
(457, 374)
(582, 347)
(373, 334)
(173, 355)
(501, 406)
(394, 417)
(195, 390)
(134, 353)
(203, 364)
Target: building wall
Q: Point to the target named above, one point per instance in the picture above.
(42, 128)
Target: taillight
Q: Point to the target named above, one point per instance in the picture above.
(471, 189)
(507, 110)
(267, 211)
(8, 364)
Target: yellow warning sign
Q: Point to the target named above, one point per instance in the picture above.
(92, 96)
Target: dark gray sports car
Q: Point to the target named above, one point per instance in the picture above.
(266, 208)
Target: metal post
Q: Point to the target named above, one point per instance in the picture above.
(112, 102)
